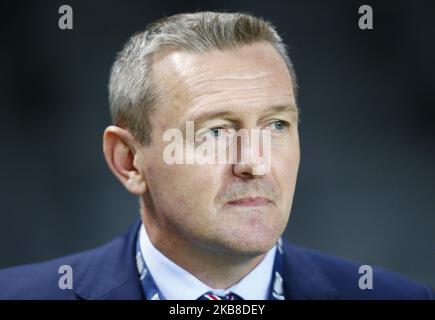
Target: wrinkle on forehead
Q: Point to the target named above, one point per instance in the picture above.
(245, 105)
(190, 66)
(229, 82)
(213, 93)
(251, 75)
(194, 77)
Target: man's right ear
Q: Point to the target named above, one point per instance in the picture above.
(120, 151)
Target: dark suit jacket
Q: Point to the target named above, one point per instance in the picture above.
(109, 272)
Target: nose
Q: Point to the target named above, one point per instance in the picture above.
(246, 171)
(253, 157)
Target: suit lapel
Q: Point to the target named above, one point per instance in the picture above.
(111, 271)
(303, 279)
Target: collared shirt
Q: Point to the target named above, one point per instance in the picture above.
(175, 283)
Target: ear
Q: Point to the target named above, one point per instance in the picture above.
(121, 152)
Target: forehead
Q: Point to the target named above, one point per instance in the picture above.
(246, 79)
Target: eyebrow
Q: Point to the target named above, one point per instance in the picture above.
(230, 115)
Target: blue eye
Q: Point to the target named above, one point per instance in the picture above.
(279, 125)
(212, 133)
(216, 132)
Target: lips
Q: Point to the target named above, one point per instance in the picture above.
(250, 202)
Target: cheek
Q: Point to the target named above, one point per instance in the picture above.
(285, 157)
(285, 165)
(186, 190)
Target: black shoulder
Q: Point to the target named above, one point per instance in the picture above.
(349, 278)
(41, 280)
(94, 274)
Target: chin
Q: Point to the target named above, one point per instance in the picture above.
(251, 249)
(248, 241)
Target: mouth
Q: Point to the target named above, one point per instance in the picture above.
(250, 202)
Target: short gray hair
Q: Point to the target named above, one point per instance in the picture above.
(132, 94)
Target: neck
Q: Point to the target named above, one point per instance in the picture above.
(217, 269)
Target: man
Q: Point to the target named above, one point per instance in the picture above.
(208, 230)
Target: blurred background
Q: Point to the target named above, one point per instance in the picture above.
(366, 186)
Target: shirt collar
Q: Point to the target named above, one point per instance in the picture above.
(175, 283)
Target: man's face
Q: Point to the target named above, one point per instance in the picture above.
(235, 89)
